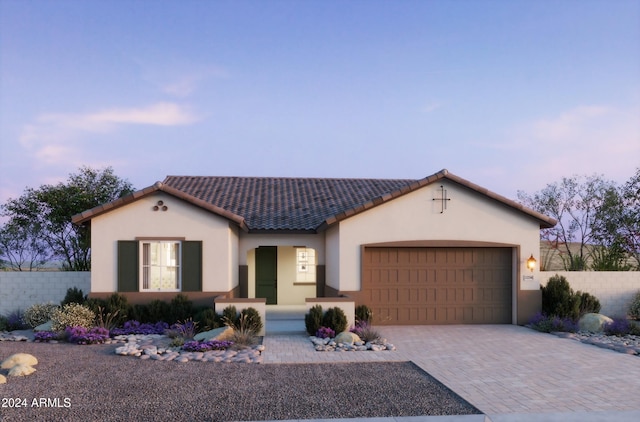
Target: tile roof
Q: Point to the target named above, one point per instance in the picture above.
(293, 205)
(280, 203)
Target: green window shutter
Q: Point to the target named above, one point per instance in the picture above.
(191, 266)
(128, 266)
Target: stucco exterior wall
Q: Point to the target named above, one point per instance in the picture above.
(416, 216)
(180, 220)
(288, 292)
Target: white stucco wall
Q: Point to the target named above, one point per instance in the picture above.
(181, 220)
(288, 292)
(469, 216)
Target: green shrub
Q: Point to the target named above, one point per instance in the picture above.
(159, 310)
(230, 314)
(363, 314)
(588, 303)
(4, 325)
(119, 308)
(72, 315)
(558, 299)
(74, 295)
(38, 314)
(335, 319)
(140, 312)
(250, 317)
(181, 308)
(313, 320)
(634, 308)
(207, 318)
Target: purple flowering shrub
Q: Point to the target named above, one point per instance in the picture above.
(81, 335)
(135, 327)
(619, 327)
(186, 329)
(205, 346)
(325, 332)
(548, 324)
(15, 321)
(45, 336)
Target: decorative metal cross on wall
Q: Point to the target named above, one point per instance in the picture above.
(443, 199)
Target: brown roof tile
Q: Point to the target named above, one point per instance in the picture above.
(266, 204)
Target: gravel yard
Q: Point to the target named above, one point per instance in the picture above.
(82, 383)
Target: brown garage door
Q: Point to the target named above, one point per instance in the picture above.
(438, 285)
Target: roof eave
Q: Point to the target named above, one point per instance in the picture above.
(86, 216)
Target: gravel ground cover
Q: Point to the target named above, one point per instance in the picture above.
(91, 383)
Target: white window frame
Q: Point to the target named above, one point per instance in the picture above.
(145, 268)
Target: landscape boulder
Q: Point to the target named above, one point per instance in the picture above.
(222, 333)
(44, 327)
(346, 337)
(19, 359)
(593, 323)
(21, 370)
(3, 379)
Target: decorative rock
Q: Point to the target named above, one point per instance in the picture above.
(44, 327)
(21, 370)
(593, 323)
(18, 359)
(222, 333)
(3, 379)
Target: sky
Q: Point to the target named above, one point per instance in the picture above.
(509, 94)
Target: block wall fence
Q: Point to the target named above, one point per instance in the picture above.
(614, 289)
(18, 290)
(21, 289)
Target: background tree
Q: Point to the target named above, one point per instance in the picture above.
(21, 250)
(45, 214)
(574, 203)
(617, 227)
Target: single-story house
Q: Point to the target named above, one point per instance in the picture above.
(439, 250)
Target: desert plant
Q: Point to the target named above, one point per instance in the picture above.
(364, 314)
(187, 329)
(15, 321)
(38, 314)
(558, 299)
(82, 335)
(229, 314)
(313, 319)
(634, 307)
(247, 321)
(365, 331)
(325, 332)
(552, 323)
(119, 306)
(335, 319)
(244, 331)
(158, 310)
(106, 320)
(618, 327)
(135, 327)
(74, 295)
(208, 319)
(140, 312)
(72, 315)
(588, 303)
(3, 323)
(181, 308)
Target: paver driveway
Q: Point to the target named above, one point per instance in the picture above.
(500, 369)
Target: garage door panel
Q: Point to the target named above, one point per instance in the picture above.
(438, 285)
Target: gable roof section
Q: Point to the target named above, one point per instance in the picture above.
(157, 187)
(295, 205)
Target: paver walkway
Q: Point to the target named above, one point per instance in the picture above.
(501, 369)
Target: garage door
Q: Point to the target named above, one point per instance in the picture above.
(438, 285)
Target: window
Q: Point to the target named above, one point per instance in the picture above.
(306, 263)
(160, 265)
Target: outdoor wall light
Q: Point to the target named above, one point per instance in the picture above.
(531, 263)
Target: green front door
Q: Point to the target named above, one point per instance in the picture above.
(267, 273)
